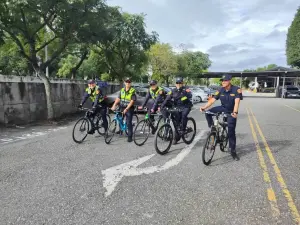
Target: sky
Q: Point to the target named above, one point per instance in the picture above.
(236, 34)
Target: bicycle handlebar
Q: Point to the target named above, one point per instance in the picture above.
(217, 113)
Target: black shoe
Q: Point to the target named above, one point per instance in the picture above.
(129, 139)
(235, 156)
(92, 131)
(153, 131)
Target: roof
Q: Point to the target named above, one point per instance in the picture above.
(275, 72)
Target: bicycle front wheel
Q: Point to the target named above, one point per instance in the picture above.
(165, 134)
(190, 133)
(135, 120)
(110, 131)
(141, 133)
(84, 127)
(209, 149)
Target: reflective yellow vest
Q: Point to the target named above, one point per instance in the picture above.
(93, 93)
(156, 93)
(126, 96)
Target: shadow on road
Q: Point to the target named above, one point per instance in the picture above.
(244, 150)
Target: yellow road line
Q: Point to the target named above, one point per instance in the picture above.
(270, 192)
(280, 179)
(292, 108)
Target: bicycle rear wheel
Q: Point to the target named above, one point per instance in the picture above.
(165, 133)
(190, 131)
(141, 133)
(110, 131)
(223, 140)
(209, 148)
(84, 127)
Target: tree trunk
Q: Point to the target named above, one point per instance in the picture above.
(47, 84)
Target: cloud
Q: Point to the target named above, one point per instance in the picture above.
(236, 34)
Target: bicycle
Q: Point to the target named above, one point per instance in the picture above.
(146, 124)
(171, 126)
(121, 122)
(217, 135)
(89, 121)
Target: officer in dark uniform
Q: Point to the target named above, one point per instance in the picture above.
(96, 95)
(230, 97)
(126, 98)
(182, 98)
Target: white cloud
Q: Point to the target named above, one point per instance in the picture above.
(254, 31)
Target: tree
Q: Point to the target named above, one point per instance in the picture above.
(192, 63)
(11, 61)
(163, 62)
(26, 23)
(293, 42)
(125, 45)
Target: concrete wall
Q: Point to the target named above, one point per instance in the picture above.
(23, 99)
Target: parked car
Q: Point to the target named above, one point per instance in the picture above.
(198, 94)
(111, 98)
(207, 90)
(290, 91)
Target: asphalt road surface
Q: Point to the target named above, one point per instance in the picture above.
(46, 178)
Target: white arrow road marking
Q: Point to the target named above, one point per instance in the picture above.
(113, 175)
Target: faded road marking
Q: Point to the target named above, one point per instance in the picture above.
(112, 176)
(280, 179)
(33, 134)
(292, 108)
(270, 192)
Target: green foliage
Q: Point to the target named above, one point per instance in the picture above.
(293, 42)
(105, 77)
(163, 62)
(11, 62)
(268, 67)
(125, 46)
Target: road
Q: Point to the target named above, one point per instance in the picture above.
(46, 178)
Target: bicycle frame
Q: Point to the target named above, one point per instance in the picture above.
(119, 118)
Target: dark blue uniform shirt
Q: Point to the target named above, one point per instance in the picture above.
(227, 98)
(181, 97)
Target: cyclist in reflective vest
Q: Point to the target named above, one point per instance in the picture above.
(95, 94)
(157, 96)
(126, 98)
(182, 98)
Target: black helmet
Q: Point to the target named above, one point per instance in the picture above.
(179, 80)
(91, 82)
(153, 82)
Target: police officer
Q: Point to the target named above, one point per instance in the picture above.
(182, 97)
(230, 97)
(96, 95)
(126, 98)
(157, 94)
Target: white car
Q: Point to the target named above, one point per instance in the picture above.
(199, 95)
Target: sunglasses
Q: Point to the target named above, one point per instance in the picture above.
(178, 82)
(152, 84)
(128, 81)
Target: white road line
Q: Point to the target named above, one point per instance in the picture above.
(112, 176)
(28, 135)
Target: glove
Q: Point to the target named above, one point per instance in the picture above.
(80, 106)
(94, 109)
